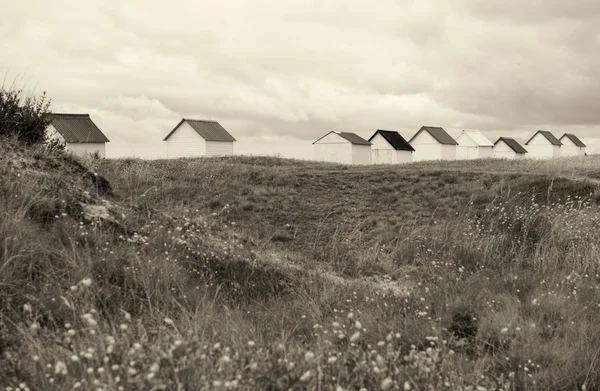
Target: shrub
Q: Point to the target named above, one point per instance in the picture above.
(25, 118)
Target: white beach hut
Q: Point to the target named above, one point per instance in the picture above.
(198, 138)
(433, 143)
(543, 144)
(571, 145)
(342, 147)
(508, 148)
(389, 147)
(79, 133)
(472, 144)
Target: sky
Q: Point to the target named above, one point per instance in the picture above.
(280, 74)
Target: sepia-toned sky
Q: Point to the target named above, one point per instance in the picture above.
(279, 74)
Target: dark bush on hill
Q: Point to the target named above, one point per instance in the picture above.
(24, 117)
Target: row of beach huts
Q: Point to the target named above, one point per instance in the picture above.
(204, 138)
(434, 143)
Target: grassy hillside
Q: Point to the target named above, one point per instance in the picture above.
(263, 273)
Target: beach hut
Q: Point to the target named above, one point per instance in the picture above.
(198, 138)
(472, 144)
(543, 144)
(389, 147)
(433, 143)
(342, 147)
(571, 145)
(78, 132)
(508, 148)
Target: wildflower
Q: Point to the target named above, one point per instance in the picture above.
(36, 358)
(504, 330)
(309, 356)
(71, 332)
(86, 282)
(60, 368)
(253, 366)
(305, 376)
(74, 358)
(350, 315)
(406, 386)
(154, 368)
(355, 337)
(123, 327)
(387, 383)
(89, 318)
(77, 385)
(331, 360)
(358, 325)
(169, 321)
(27, 307)
(251, 344)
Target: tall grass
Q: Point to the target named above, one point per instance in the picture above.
(502, 294)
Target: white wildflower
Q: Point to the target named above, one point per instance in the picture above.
(387, 383)
(305, 376)
(309, 356)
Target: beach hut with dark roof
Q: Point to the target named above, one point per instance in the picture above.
(571, 145)
(433, 143)
(389, 147)
(198, 138)
(508, 148)
(543, 144)
(78, 132)
(342, 147)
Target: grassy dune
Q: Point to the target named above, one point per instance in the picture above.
(264, 273)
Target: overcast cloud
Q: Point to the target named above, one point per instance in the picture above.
(279, 74)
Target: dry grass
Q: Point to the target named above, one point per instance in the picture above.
(263, 273)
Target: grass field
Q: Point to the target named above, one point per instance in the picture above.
(265, 273)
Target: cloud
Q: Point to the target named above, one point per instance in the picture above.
(287, 72)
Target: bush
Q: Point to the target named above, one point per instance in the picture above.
(25, 118)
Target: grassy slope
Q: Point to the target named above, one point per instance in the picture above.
(499, 259)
